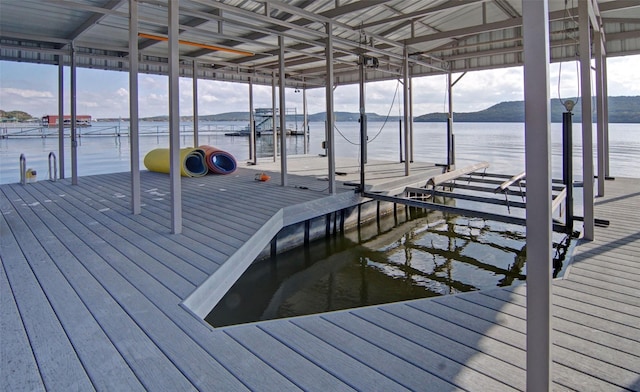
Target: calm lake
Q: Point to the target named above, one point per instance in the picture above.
(501, 144)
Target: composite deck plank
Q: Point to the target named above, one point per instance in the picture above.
(161, 209)
(600, 297)
(441, 321)
(172, 311)
(173, 252)
(614, 263)
(566, 377)
(518, 304)
(392, 366)
(580, 353)
(626, 284)
(164, 333)
(107, 242)
(102, 361)
(613, 291)
(256, 374)
(611, 366)
(302, 372)
(596, 339)
(152, 225)
(489, 366)
(205, 234)
(431, 361)
(19, 367)
(58, 362)
(150, 364)
(349, 370)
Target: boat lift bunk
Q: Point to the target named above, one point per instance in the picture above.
(492, 196)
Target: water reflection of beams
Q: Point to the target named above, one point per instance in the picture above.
(409, 270)
(470, 260)
(453, 234)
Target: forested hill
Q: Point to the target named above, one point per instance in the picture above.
(621, 110)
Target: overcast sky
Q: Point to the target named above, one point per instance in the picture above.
(33, 88)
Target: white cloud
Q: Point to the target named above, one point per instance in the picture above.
(33, 88)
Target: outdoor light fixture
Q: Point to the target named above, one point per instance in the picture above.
(196, 44)
(370, 62)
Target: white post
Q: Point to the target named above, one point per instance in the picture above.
(605, 116)
(410, 117)
(587, 132)
(273, 115)
(74, 141)
(450, 147)
(405, 85)
(600, 112)
(305, 120)
(61, 114)
(174, 118)
(283, 118)
(134, 145)
(196, 125)
(253, 154)
(331, 154)
(538, 210)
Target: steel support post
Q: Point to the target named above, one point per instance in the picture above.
(283, 117)
(405, 85)
(599, 112)
(174, 118)
(305, 121)
(196, 124)
(253, 154)
(538, 209)
(587, 131)
(73, 125)
(61, 114)
(363, 125)
(330, 144)
(567, 166)
(134, 145)
(273, 115)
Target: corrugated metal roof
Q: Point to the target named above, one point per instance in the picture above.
(441, 35)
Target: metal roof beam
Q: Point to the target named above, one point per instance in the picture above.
(87, 24)
(448, 6)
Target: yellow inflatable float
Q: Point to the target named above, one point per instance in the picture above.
(192, 161)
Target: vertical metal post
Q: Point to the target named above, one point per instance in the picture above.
(283, 117)
(600, 112)
(538, 207)
(400, 139)
(450, 157)
(253, 154)
(331, 154)
(363, 126)
(605, 116)
(196, 124)
(405, 75)
(567, 165)
(305, 120)
(410, 118)
(587, 132)
(74, 141)
(174, 118)
(273, 116)
(61, 113)
(134, 145)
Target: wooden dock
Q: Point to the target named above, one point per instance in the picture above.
(90, 298)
